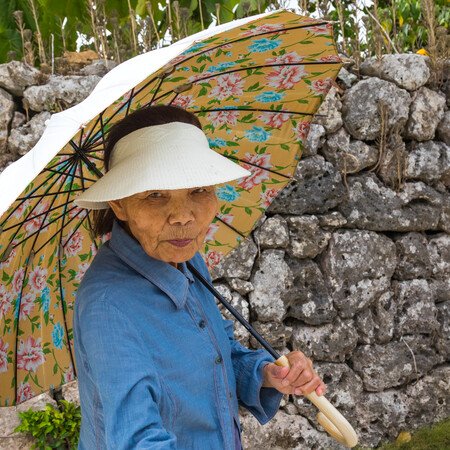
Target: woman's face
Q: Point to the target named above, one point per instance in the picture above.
(170, 225)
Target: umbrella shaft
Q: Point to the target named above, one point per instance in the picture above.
(235, 313)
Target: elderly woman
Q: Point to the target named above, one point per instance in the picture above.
(158, 367)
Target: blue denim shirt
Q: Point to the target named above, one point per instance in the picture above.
(158, 367)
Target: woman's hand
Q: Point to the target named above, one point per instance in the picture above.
(299, 379)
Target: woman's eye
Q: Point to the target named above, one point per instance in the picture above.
(199, 191)
(155, 195)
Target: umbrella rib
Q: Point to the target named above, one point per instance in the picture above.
(129, 104)
(87, 142)
(81, 154)
(46, 195)
(243, 161)
(30, 196)
(34, 207)
(255, 109)
(229, 226)
(73, 176)
(157, 89)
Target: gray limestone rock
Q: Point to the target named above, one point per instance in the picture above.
(413, 257)
(309, 298)
(68, 89)
(37, 403)
(348, 78)
(416, 309)
(391, 168)
(429, 162)
(333, 342)
(358, 266)
(349, 156)
(6, 115)
(439, 250)
(238, 264)
(372, 206)
(314, 140)
(242, 287)
(407, 71)
(18, 120)
(70, 392)
(380, 416)
(365, 325)
(273, 233)
(329, 113)
(271, 280)
(361, 104)
(284, 431)
(344, 389)
(21, 140)
(317, 187)
(384, 312)
(443, 340)
(275, 333)
(428, 399)
(306, 239)
(98, 67)
(441, 289)
(9, 420)
(385, 366)
(332, 221)
(241, 306)
(427, 110)
(16, 76)
(443, 129)
(444, 221)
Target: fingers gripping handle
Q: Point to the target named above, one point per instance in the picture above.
(329, 417)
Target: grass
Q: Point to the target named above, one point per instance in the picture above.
(434, 438)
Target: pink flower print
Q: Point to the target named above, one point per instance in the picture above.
(212, 258)
(213, 227)
(69, 375)
(196, 77)
(24, 392)
(321, 87)
(36, 218)
(257, 175)
(30, 355)
(19, 212)
(267, 197)
(302, 130)
(77, 211)
(75, 244)
(37, 279)
(81, 271)
(11, 256)
(274, 120)
(285, 77)
(5, 300)
(17, 280)
(227, 218)
(329, 58)
(287, 58)
(321, 29)
(26, 305)
(227, 84)
(218, 118)
(123, 101)
(184, 101)
(264, 28)
(3, 356)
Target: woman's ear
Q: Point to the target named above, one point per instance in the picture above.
(118, 208)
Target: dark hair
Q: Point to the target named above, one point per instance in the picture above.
(144, 117)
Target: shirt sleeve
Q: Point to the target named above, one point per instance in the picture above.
(248, 366)
(127, 382)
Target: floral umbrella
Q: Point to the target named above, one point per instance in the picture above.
(255, 85)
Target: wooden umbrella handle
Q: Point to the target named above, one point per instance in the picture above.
(329, 417)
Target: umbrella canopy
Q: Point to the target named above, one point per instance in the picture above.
(255, 85)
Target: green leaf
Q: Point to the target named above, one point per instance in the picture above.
(248, 210)
(5, 276)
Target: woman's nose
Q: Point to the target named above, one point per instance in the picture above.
(181, 214)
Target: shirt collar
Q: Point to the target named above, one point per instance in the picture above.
(171, 281)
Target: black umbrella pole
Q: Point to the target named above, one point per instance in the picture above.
(235, 313)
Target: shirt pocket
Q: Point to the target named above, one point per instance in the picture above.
(168, 407)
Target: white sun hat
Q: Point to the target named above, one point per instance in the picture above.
(174, 155)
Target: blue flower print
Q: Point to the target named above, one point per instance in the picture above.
(269, 97)
(257, 134)
(227, 193)
(57, 335)
(216, 142)
(264, 45)
(194, 48)
(221, 66)
(45, 299)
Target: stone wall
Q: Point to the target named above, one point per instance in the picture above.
(351, 264)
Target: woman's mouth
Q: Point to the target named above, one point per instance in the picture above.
(180, 242)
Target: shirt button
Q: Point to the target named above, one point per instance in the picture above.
(202, 324)
(218, 360)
